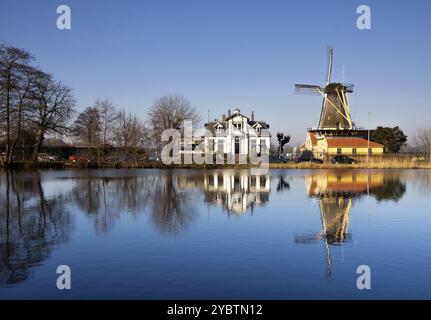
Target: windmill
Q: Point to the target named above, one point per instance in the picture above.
(335, 113)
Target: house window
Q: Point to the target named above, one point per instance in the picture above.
(219, 129)
(253, 145)
(220, 146)
(354, 151)
(339, 151)
(237, 125)
(263, 146)
(211, 145)
(370, 151)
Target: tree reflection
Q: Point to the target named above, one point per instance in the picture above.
(282, 184)
(391, 190)
(171, 210)
(420, 180)
(105, 198)
(30, 224)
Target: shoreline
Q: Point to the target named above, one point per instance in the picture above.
(28, 165)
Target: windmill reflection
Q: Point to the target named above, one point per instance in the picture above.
(236, 191)
(31, 225)
(336, 192)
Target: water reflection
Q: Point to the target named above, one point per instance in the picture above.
(234, 191)
(336, 192)
(34, 221)
(31, 225)
(105, 198)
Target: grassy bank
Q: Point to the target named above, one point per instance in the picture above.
(26, 165)
(361, 165)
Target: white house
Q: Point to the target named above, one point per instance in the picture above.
(237, 134)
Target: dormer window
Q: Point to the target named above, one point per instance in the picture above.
(257, 128)
(237, 125)
(218, 128)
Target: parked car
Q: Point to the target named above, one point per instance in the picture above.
(290, 157)
(153, 157)
(3, 157)
(46, 157)
(308, 157)
(75, 158)
(418, 158)
(343, 160)
(275, 159)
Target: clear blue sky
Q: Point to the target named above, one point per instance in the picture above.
(226, 54)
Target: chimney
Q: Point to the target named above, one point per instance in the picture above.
(252, 116)
(228, 113)
(223, 117)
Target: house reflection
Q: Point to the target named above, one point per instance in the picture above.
(234, 191)
(336, 192)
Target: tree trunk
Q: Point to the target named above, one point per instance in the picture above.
(8, 153)
(98, 155)
(18, 135)
(37, 147)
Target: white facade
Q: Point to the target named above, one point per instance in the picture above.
(237, 135)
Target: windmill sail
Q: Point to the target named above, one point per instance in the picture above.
(331, 56)
(335, 112)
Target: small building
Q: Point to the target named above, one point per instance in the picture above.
(237, 134)
(322, 145)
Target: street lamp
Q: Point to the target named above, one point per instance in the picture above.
(369, 126)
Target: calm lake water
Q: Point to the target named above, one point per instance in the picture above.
(215, 234)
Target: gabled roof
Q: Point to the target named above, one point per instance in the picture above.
(313, 138)
(212, 126)
(219, 124)
(351, 142)
(263, 124)
(236, 114)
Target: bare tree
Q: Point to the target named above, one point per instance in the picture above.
(86, 128)
(129, 133)
(17, 77)
(108, 115)
(25, 103)
(53, 108)
(423, 139)
(122, 130)
(170, 112)
(283, 139)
